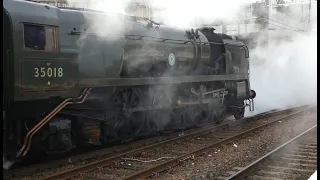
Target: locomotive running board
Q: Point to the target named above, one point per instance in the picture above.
(103, 82)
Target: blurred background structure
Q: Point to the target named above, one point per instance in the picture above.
(256, 17)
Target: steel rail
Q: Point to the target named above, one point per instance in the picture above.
(174, 162)
(108, 151)
(251, 166)
(110, 161)
(120, 148)
(24, 171)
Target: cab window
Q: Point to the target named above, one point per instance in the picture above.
(37, 37)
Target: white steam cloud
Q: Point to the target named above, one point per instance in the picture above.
(109, 6)
(187, 14)
(283, 74)
(177, 13)
(108, 26)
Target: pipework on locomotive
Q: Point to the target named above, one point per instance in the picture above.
(59, 94)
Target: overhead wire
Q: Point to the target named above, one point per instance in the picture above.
(282, 25)
(291, 27)
(275, 21)
(275, 25)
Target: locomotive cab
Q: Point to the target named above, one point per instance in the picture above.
(36, 75)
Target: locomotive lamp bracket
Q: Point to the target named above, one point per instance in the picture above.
(250, 104)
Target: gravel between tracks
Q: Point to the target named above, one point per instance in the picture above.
(130, 169)
(240, 153)
(280, 167)
(172, 150)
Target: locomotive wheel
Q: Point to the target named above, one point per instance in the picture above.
(126, 125)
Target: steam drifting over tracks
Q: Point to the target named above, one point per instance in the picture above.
(112, 158)
(295, 159)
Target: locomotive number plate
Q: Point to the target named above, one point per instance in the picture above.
(42, 72)
(49, 75)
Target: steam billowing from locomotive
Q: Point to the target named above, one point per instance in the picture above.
(285, 71)
(188, 14)
(178, 13)
(289, 65)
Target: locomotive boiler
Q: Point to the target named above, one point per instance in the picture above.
(65, 85)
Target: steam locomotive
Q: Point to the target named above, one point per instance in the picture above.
(66, 85)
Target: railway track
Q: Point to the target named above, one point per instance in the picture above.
(107, 152)
(199, 151)
(295, 159)
(114, 157)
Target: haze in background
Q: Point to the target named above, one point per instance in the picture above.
(178, 13)
(284, 73)
(187, 14)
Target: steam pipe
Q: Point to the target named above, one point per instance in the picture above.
(28, 138)
(36, 130)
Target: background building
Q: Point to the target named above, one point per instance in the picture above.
(254, 18)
